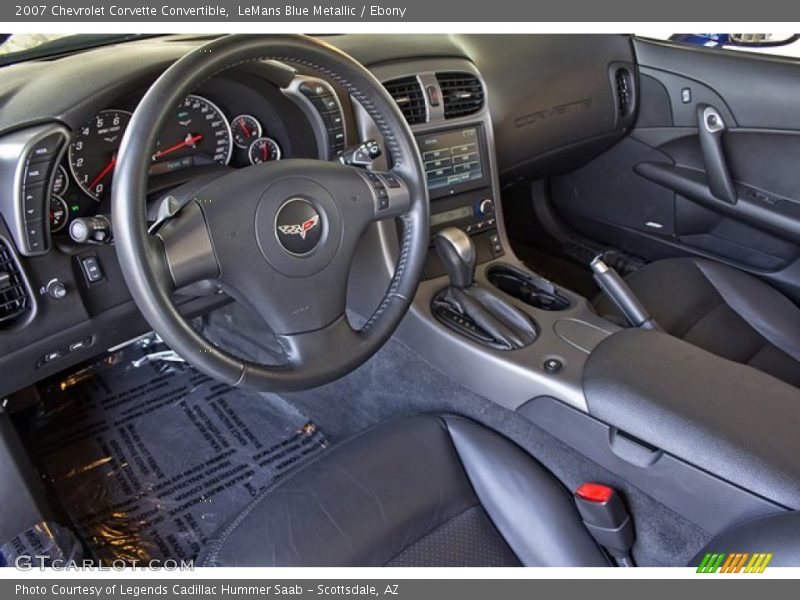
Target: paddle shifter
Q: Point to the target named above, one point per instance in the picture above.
(471, 309)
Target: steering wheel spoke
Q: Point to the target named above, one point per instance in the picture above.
(390, 194)
(188, 251)
(313, 350)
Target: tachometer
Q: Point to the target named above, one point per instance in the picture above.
(197, 133)
(93, 151)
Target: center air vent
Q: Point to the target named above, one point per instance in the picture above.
(462, 94)
(407, 93)
(15, 303)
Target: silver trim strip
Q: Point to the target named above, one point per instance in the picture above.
(15, 149)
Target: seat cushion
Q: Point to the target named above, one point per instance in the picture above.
(777, 535)
(422, 491)
(722, 310)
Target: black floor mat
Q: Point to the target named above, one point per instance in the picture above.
(150, 458)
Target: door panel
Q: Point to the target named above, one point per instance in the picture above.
(650, 194)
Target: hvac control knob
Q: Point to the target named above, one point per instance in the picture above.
(486, 207)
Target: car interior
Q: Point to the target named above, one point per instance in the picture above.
(399, 300)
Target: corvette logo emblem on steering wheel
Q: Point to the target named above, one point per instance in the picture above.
(300, 229)
(299, 226)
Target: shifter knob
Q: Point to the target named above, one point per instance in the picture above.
(457, 253)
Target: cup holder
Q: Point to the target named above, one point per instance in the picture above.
(528, 287)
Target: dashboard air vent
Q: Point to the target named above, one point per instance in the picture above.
(623, 81)
(462, 94)
(14, 300)
(407, 93)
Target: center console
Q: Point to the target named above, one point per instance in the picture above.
(447, 107)
(460, 186)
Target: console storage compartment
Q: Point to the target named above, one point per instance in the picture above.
(528, 287)
(714, 440)
(726, 418)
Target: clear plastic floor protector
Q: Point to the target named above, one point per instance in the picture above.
(149, 457)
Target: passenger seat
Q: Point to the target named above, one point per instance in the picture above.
(722, 310)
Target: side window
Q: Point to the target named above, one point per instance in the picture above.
(775, 44)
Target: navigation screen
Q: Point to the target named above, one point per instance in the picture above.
(451, 157)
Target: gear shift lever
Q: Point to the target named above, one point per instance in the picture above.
(472, 309)
(457, 253)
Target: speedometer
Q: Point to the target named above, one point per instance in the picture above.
(93, 151)
(197, 133)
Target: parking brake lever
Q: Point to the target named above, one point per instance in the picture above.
(711, 128)
(621, 295)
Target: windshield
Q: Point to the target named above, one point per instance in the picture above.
(26, 46)
(19, 42)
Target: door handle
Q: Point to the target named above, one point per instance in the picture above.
(711, 128)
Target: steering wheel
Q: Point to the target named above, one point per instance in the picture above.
(279, 237)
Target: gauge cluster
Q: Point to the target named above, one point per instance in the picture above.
(198, 133)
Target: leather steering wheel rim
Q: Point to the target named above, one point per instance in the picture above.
(144, 259)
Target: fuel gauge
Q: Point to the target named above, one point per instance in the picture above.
(245, 128)
(264, 149)
(58, 213)
(60, 181)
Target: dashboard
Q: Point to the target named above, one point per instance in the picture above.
(58, 144)
(228, 126)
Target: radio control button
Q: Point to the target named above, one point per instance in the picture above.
(486, 207)
(391, 180)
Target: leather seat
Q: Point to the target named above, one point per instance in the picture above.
(437, 491)
(422, 491)
(722, 310)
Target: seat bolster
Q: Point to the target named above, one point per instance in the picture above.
(763, 307)
(529, 507)
(777, 534)
(360, 504)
